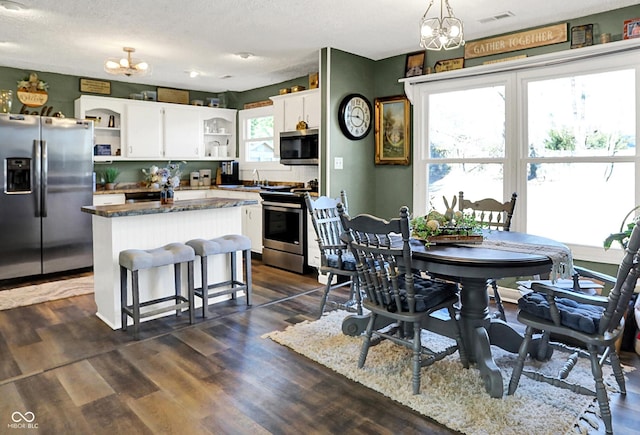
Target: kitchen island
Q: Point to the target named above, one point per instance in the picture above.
(148, 225)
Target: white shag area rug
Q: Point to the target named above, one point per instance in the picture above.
(44, 292)
(450, 394)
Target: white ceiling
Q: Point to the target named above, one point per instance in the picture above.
(76, 36)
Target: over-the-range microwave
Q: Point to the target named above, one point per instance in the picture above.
(299, 147)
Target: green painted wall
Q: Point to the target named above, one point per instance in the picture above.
(348, 74)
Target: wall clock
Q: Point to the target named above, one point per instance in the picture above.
(354, 116)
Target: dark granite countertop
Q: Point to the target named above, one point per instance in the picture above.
(154, 207)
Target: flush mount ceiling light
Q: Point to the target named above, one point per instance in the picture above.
(193, 74)
(244, 55)
(127, 66)
(12, 6)
(441, 33)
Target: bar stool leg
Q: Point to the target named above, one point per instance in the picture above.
(205, 286)
(246, 255)
(123, 298)
(178, 287)
(233, 274)
(191, 292)
(135, 294)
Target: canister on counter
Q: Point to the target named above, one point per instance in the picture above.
(205, 177)
(195, 179)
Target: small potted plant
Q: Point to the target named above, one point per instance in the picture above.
(110, 176)
(623, 235)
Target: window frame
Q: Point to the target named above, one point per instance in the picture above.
(516, 133)
(245, 116)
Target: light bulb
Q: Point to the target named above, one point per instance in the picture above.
(142, 66)
(454, 31)
(112, 65)
(124, 63)
(426, 31)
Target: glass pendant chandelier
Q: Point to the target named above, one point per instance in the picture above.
(441, 33)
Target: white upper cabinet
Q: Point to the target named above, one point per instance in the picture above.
(107, 115)
(289, 109)
(148, 130)
(144, 130)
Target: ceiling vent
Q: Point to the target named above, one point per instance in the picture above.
(500, 16)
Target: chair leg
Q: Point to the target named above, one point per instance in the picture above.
(462, 350)
(246, 256)
(617, 369)
(522, 355)
(417, 353)
(366, 342)
(498, 300)
(601, 391)
(325, 295)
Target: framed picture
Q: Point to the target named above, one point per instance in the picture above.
(631, 28)
(582, 36)
(415, 64)
(393, 133)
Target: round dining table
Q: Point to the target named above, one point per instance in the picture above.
(473, 266)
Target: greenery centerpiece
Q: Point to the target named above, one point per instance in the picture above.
(110, 175)
(448, 227)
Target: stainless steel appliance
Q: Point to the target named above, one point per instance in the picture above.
(299, 147)
(284, 232)
(47, 175)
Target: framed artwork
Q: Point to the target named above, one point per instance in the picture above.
(393, 134)
(95, 86)
(631, 28)
(449, 64)
(167, 95)
(582, 36)
(415, 64)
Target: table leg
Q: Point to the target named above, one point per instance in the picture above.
(476, 322)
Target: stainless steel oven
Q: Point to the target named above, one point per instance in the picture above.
(284, 236)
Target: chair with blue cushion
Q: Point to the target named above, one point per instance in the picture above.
(595, 322)
(335, 258)
(395, 293)
(495, 215)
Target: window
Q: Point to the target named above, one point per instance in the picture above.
(563, 137)
(256, 137)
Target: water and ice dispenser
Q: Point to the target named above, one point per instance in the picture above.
(18, 175)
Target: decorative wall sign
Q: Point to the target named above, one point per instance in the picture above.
(32, 92)
(167, 95)
(582, 36)
(631, 28)
(517, 41)
(504, 59)
(449, 64)
(95, 86)
(256, 104)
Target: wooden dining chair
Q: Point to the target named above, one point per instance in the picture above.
(393, 292)
(335, 259)
(496, 215)
(594, 322)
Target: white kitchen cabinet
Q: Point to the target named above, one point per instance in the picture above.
(107, 114)
(162, 131)
(219, 133)
(289, 109)
(251, 215)
(143, 133)
(109, 199)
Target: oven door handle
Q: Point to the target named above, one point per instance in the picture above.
(281, 206)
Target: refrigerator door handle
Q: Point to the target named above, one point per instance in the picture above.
(45, 175)
(37, 176)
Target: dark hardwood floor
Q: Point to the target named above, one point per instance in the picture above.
(77, 376)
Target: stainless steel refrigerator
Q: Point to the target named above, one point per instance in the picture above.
(47, 175)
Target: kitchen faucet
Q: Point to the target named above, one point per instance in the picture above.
(256, 177)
